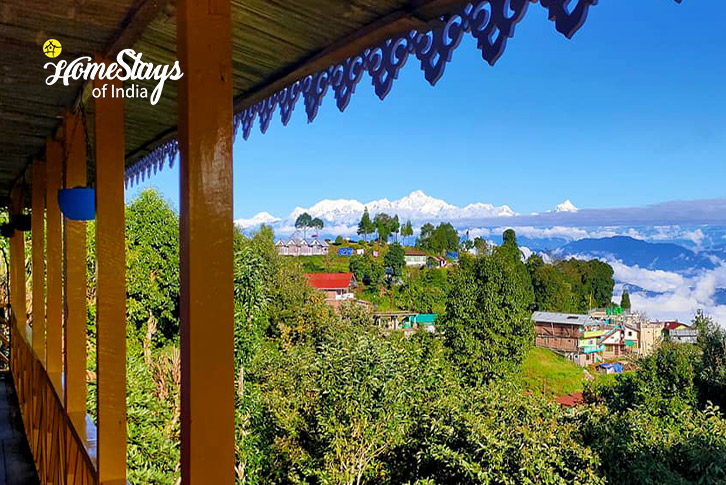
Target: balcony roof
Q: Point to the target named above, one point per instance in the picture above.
(273, 40)
(282, 51)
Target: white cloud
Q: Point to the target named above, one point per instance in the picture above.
(651, 280)
(678, 297)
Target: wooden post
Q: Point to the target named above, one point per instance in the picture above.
(17, 265)
(204, 43)
(54, 262)
(75, 272)
(111, 293)
(38, 232)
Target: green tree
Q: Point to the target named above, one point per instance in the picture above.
(487, 323)
(395, 260)
(552, 291)
(365, 226)
(712, 372)
(625, 300)
(303, 223)
(425, 233)
(440, 239)
(395, 226)
(152, 267)
(317, 224)
(407, 231)
(509, 239)
(367, 269)
(591, 281)
(384, 226)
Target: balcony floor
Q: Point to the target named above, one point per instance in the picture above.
(16, 460)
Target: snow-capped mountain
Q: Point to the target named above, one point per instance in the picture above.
(566, 206)
(417, 207)
(257, 220)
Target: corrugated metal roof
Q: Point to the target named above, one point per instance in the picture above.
(564, 318)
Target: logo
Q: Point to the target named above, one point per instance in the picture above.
(129, 66)
(52, 48)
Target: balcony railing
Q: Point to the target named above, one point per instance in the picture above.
(63, 446)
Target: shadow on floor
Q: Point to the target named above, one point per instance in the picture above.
(16, 460)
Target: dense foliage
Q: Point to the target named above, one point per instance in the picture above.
(571, 285)
(658, 424)
(326, 397)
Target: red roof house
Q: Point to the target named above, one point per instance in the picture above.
(673, 325)
(331, 281)
(336, 286)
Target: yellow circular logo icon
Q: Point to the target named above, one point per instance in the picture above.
(52, 48)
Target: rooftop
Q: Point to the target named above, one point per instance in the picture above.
(330, 281)
(564, 318)
(414, 252)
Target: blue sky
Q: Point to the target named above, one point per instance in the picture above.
(630, 112)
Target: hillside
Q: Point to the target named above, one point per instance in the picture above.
(545, 372)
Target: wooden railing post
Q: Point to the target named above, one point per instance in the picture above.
(38, 232)
(75, 275)
(204, 44)
(111, 292)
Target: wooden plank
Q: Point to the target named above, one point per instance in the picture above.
(206, 242)
(111, 294)
(75, 273)
(38, 233)
(54, 262)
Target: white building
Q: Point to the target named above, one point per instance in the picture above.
(302, 247)
(414, 257)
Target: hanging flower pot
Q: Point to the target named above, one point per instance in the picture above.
(7, 230)
(78, 204)
(21, 222)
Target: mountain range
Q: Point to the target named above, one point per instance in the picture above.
(418, 207)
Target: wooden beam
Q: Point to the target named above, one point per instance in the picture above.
(422, 16)
(139, 17)
(54, 261)
(38, 232)
(17, 264)
(204, 44)
(111, 293)
(75, 273)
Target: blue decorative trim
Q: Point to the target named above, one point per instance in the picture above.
(490, 22)
(153, 160)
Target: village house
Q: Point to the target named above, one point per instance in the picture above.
(577, 337)
(407, 322)
(414, 257)
(586, 339)
(302, 247)
(680, 333)
(338, 287)
(649, 336)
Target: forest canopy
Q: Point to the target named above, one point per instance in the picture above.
(329, 397)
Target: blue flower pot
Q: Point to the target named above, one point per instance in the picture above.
(78, 204)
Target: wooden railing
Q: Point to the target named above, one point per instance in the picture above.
(62, 455)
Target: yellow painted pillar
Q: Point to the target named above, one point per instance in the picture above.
(54, 261)
(17, 265)
(206, 253)
(38, 233)
(111, 291)
(75, 274)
